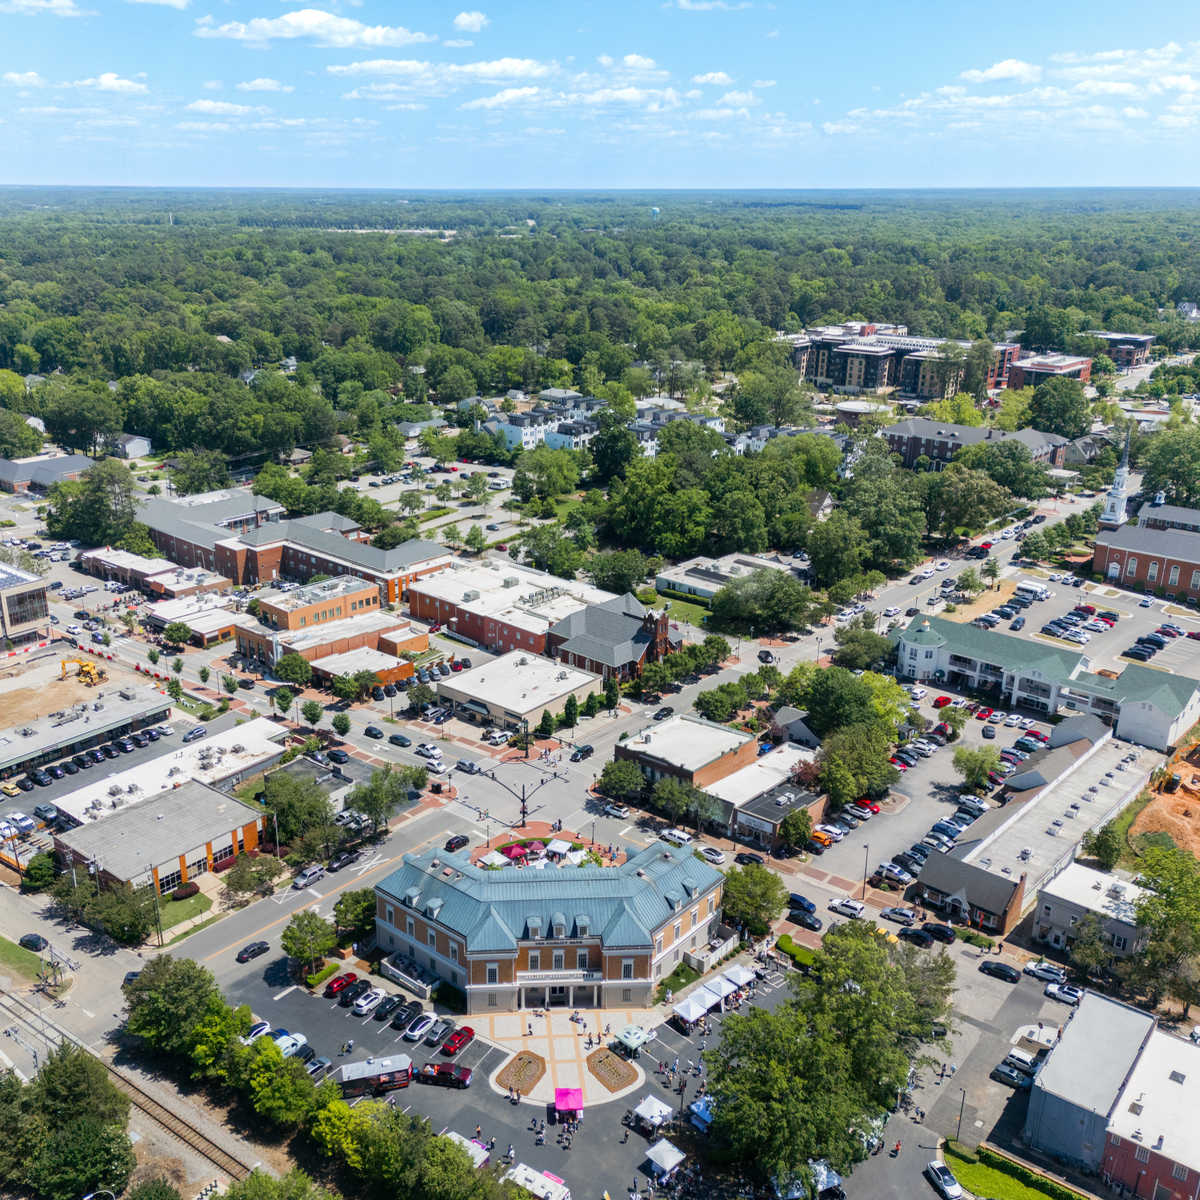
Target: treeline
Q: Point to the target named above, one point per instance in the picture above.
(175, 313)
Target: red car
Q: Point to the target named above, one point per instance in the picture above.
(339, 983)
(1194, 634)
(983, 714)
(1037, 733)
(1086, 609)
(941, 702)
(463, 1036)
(942, 728)
(1163, 631)
(899, 764)
(864, 802)
(985, 545)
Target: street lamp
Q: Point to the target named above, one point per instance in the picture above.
(962, 1104)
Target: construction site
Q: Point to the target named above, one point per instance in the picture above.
(1174, 807)
(47, 680)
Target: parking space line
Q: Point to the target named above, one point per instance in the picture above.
(286, 992)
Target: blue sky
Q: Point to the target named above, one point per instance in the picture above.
(590, 94)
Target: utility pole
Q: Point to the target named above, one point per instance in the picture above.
(962, 1104)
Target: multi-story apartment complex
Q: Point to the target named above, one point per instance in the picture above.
(940, 441)
(584, 936)
(24, 608)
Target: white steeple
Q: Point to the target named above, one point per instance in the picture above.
(1113, 516)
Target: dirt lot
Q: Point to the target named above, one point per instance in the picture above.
(991, 598)
(1175, 813)
(29, 694)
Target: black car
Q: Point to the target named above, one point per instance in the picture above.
(55, 771)
(33, 941)
(377, 693)
(344, 859)
(406, 1016)
(582, 752)
(746, 857)
(398, 739)
(338, 756)
(387, 1006)
(139, 741)
(126, 746)
(909, 862)
(69, 767)
(253, 950)
(664, 712)
(25, 783)
(457, 842)
(305, 1054)
(82, 762)
(246, 685)
(942, 933)
(1000, 970)
(373, 731)
(806, 920)
(151, 734)
(45, 812)
(918, 937)
(352, 992)
(389, 689)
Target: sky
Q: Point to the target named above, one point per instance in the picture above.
(599, 93)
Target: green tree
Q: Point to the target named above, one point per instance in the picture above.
(961, 498)
(620, 571)
(754, 895)
(39, 872)
(279, 1089)
(215, 1043)
(547, 725)
(249, 878)
(282, 699)
(1105, 845)
(17, 439)
(476, 539)
(570, 713)
(177, 666)
(341, 724)
(974, 764)
(1091, 947)
(295, 1185)
(354, 913)
(229, 684)
(166, 1001)
(72, 1083)
(622, 780)
(1170, 463)
(298, 805)
(969, 582)
(545, 472)
(612, 693)
(796, 827)
(385, 792)
(419, 695)
(614, 447)
(991, 570)
(98, 510)
(1060, 406)
(293, 668)
(1169, 915)
(837, 548)
(956, 719)
(199, 471)
(78, 1156)
(859, 646)
(203, 674)
(308, 938)
(345, 688)
(153, 1189)
(312, 711)
(1009, 464)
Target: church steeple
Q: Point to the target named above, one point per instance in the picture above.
(1114, 505)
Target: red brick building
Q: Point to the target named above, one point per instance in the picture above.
(1037, 368)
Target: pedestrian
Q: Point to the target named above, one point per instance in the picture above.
(478, 1132)
(953, 1068)
(517, 1095)
(530, 1031)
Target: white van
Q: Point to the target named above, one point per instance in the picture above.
(1032, 589)
(677, 837)
(848, 908)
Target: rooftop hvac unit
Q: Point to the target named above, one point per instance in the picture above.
(509, 581)
(469, 596)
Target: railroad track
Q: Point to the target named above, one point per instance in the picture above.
(145, 1103)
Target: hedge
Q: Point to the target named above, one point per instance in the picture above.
(184, 890)
(976, 938)
(801, 956)
(315, 980)
(1018, 1172)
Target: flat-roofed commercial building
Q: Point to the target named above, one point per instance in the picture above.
(371, 630)
(386, 668)
(317, 603)
(577, 936)
(1037, 368)
(516, 688)
(696, 751)
(704, 577)
(103, 716)
(166, 839)
(154, 576)
(1125, 349)
(1077, 892)
(500, 606)
(24, 605)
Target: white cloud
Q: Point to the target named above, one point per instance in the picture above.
(739, 99)
(716, 78)
(1134, 114)
(179, 4)
(36, 8)
(1107, 87)
(110, 81)
(29, 79)
(1009, 68)
(415, 77)
(212, 85)
(223, 108)
(471, 22)
(204, 126)
(764, 83)
(324, 28)
(711, 5)
(833, 128)
(638, 62)
(504, 98)
(458, 43)
(264, 85)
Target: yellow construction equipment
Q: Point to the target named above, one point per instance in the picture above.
(89, 672)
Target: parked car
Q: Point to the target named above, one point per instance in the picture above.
(712, 855)
(1045, 971)
(351, 994)
(1064, 992)
(308, 876)
(406, 1016)
(943, 1180)
(420, 1027)
(368, 1001)
(338, 756)
(846, 907)
(939, 932)
(1010, 1077)
(373, 731)
(460, 1038)
(1000, 970)
(918, 937)
(745, 857)
(902, 916)
(387, 1006)
(455, 843)
(613, 809)
(344, 859)
(398, 739)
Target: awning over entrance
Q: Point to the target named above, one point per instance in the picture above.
(664, 1157)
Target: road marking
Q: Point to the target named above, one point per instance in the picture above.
(90, 1015)
(287, 991)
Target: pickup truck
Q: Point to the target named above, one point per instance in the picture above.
(444, 1075)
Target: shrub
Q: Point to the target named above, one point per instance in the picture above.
(802, 957)
(1027, 1176)
(975, 938)
(318, 977)
(185, 890)
(223, 865)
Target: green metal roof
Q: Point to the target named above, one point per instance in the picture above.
(999, 649)
(1169, 693)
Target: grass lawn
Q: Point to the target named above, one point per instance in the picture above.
(19, 960)
(684, 610)
(194, 929)
(982, 1180)
(677, 980)
(432, 514)
(1123, 822)
(175, 911)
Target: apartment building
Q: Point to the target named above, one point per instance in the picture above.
(578, 936)
(939, 441)
(1077, 892)
(24, 606)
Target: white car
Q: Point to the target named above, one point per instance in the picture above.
(612, 809)
(892, 610)
(25, 824)
(927, 573)
(831, 831)
(290, 1043)
(848, 908)
(429, 750)
(1095, 626)
(677, 837)
(1064, 992)
(1012, 720)
(166, 730)
(1027, 722)
(712, 854)
(368, 1002)
(419, 1028)
(942, 565)
(918, 693)
(943, 1180)
(1045, 970)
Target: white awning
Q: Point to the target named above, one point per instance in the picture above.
(738, 975)
(721, 987)
(494, 859)
(653, 1111)
(664, 1156)
(691, 1009)
(558, 846)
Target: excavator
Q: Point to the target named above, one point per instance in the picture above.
(89, 672)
